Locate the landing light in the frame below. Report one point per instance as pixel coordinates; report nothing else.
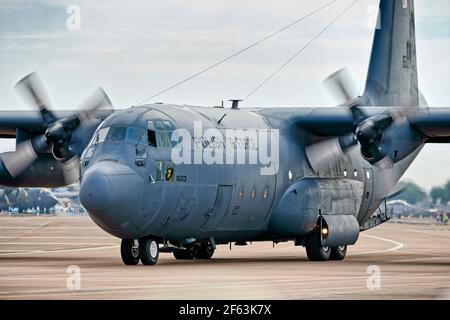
(324, 231)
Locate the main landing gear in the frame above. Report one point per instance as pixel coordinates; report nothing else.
(204, 251)
(316, 252)
(146, 250)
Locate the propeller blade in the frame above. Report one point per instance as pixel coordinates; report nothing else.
(33, 91)
(18, 161)
(342, 87)
(58, 132)
(95, 101)
(26, 153)
(328, 151)
(71, 170)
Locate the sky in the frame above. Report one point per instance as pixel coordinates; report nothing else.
(137, 49)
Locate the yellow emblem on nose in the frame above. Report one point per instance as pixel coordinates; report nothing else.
(169, 174)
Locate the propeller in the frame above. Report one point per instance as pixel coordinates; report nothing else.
(58, 131)
(342, 87)
(367, 131)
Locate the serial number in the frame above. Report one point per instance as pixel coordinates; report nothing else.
(232, 309)
(246, 309)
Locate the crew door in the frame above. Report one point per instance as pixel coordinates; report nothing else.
(215, 214)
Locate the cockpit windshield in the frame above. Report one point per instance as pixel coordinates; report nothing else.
(120, 134)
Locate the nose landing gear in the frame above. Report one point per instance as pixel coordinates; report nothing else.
(149, 251)
(129, 250)
(146, 250)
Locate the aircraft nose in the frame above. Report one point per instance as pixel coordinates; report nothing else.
(112, 193)
(96, 193)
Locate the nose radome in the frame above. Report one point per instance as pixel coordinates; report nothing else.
(112, 193)
(95, 191)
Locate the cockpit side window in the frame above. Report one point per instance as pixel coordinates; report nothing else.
(100, 136)
(159, 133)
(151, 134)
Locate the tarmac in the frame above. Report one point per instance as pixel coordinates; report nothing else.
(72, 258)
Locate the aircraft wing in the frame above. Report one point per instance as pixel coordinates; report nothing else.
(433, 123)
(29, 121)
(25, 120)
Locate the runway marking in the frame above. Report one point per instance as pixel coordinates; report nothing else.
(397, 246)
(55, 243)
(75, 237)
(63, 250)
(430, 233)
(35, 227)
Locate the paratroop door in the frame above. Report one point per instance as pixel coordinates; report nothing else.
(215, 215)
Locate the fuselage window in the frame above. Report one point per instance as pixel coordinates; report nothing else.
(253, 193)
(266, 193)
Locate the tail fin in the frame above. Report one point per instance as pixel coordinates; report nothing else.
(392, 77)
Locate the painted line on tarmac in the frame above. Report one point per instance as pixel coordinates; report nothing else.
(75, 237)
(56, 243)
(62, 250)
(45, 227)
(397, 246)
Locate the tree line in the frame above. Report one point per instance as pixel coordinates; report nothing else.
(413, 193)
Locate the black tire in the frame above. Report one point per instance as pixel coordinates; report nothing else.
(183, 254)
(314, 249)
(148, 251)
(338, 253)
(129, 252)
(205, 251)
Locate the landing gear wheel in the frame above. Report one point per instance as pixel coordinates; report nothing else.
(205, 251)
(338, 253)
(315, 250)
(148, 251)
(183, 255)
(129, 251)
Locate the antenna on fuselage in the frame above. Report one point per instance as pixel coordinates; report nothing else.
(235, 103)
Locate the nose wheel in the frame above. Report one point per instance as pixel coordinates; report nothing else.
(145, 250)
(148, 251)
(129, 250)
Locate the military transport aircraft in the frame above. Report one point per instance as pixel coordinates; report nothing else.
(336, 166)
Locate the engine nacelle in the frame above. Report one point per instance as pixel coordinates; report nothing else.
(45, 172)
(310, 201)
